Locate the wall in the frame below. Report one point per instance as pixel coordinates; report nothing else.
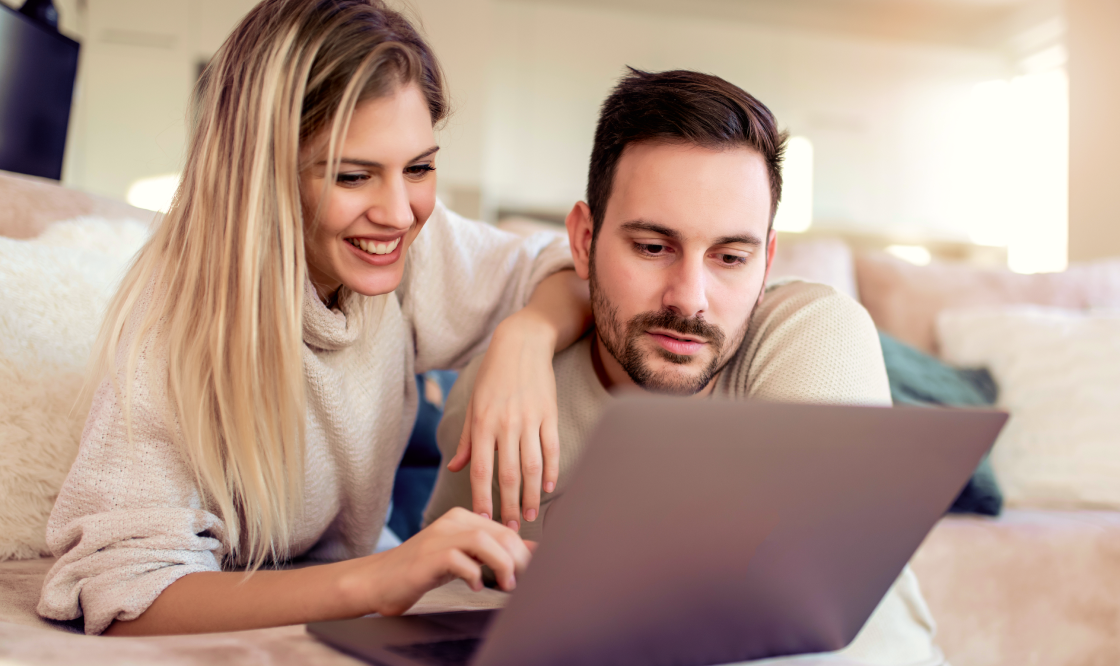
(1094, 171)
(884, 117)
(892, 123)
(139, 62)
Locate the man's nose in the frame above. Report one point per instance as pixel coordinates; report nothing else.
(687, 294)
(392, 208)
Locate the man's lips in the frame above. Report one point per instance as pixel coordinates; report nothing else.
(677, 344)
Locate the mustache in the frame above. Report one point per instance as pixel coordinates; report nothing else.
(671, 321)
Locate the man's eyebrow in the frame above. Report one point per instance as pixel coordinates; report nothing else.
(377, 165)
(745, 239)
(640, 225)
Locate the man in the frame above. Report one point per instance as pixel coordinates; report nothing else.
(676, 239)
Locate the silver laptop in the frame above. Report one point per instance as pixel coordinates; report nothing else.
(709, 532)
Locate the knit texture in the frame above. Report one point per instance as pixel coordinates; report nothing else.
(806, 343)
(130, 519)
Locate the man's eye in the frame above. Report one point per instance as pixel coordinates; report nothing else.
(732, 259)
(651, 248)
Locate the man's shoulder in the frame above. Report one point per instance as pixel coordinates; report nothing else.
(806, 336)
(803, 301)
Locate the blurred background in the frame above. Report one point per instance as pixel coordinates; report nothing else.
(981, 130)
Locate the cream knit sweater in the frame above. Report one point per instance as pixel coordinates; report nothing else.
(130, 519)
(806, 343)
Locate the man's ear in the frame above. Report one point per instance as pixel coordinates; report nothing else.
(580, 230)
(771, 247)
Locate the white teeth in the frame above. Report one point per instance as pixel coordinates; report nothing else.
(373, 247)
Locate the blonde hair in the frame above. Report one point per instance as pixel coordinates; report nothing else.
(225, 270)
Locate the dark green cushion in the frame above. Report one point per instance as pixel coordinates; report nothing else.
(917, 378)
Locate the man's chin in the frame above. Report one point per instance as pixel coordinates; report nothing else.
(671, 378)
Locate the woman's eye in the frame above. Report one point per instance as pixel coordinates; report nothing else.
(419, 170)
(351, 178)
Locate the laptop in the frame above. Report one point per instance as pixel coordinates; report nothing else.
(710, 532)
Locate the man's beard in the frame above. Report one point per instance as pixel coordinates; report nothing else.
(624, 344)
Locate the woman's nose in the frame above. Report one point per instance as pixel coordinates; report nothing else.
(393, 208)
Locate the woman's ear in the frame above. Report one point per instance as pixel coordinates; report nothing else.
(580, 230)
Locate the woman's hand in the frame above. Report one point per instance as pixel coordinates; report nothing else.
(454, 546)
(513, 407)
(513, 411)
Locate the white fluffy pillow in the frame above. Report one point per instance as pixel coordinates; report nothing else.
(1059, 376)
(53, 292)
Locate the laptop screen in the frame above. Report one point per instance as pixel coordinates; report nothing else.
(37, 71)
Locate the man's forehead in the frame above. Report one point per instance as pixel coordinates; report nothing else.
(691, 191)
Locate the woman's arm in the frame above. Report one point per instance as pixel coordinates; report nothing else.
(468, 284)
(389, 583)
(513, 408)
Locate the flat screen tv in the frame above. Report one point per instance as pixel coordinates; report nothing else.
(37, 71)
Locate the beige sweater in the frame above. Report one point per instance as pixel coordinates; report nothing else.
(130, 519)
(806, 343)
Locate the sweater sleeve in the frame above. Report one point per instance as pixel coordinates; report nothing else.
(463, 278)
(809, 343)
(128, 520)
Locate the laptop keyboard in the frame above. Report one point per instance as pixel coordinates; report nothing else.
(455, 652)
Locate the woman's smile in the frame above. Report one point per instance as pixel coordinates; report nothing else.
(376, 253)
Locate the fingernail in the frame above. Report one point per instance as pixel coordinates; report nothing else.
(511, 583)
(531, 515)
(549, 487)
(485, 515)
(512, 525)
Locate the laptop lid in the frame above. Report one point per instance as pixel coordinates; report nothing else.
(708, 532)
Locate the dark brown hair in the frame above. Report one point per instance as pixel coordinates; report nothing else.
(680, 106)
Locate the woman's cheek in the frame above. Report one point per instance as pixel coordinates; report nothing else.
(422, 198)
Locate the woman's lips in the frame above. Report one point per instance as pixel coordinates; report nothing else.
(676, 345)
(374, 259)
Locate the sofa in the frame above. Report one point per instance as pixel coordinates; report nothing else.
(1039, 584)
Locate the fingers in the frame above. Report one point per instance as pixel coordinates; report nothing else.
(482, 464)
(550, 450)
(461, 565)
(489, 543)
(485, 548)
(509, 478)
(530, 474)
(463, 452)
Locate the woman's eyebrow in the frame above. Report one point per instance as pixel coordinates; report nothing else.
(377, 165)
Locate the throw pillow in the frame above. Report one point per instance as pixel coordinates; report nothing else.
(1059, 377)
(53, 292)
(904, 299)
(824, 260)
(917, 378)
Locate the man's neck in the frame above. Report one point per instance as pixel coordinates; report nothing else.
(614, 377)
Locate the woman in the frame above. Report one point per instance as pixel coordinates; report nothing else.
(253, 389)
